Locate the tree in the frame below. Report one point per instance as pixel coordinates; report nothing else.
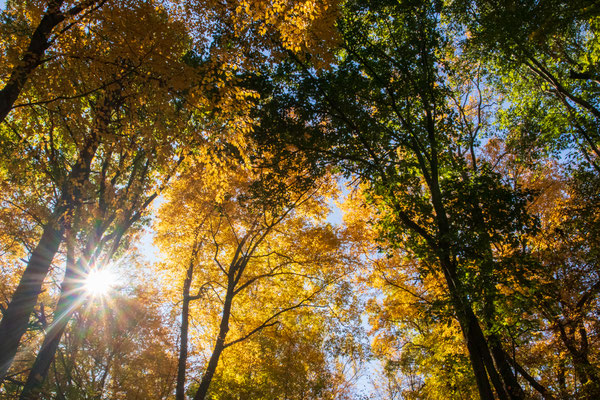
(118, 345)
(291, 360)
(158, 60)
(254, 255)
(46, 26)
(81, 136)
(390, 114)
(467, 135)
(544, 55)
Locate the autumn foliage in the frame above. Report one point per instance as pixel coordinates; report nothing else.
(299, 199)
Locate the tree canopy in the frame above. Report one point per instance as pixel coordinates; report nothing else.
(299, 199)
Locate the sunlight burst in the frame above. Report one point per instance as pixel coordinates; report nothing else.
(100, 281)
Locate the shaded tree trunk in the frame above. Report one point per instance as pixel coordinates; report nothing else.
(183, 346)
(67, 304)
(477, 364)
(470, 326)
(512, 386)
(487, 268)
(476, 345)
(219, 344)
(16, 317)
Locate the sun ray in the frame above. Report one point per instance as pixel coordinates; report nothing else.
(100, 281)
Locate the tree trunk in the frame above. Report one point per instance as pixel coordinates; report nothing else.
(470, 328)
(484, 350)
(479, 352)
(487, 268)
(219, 345)
(183, 346)
(478, 366)
(16, 317)
(67, 304)
(512, 386)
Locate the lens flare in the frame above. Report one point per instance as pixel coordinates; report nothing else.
(100, 281)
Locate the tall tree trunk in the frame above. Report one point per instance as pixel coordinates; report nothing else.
(479, 352)
(183, 346)
(16, 317)
(219, 344)
(487, 268)
(476, 344)
(470, 326)
(67, 304)
(512, 386)
(479, 338)
(472, 334)
(478, 366)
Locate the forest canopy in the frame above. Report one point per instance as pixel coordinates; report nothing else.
(299, 199)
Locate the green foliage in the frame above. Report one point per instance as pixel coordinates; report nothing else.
(467, 134)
